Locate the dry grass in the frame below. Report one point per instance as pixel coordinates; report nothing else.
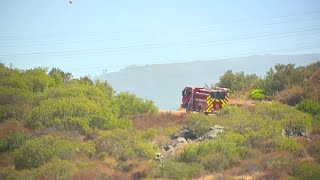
(59, 133)
(98, 171)
(10, 126)
(311, 148)
(138, 169)
(241, 102)
(312, 86)
(5, 160)
(291, 96)
(107, 169)
(161, 120)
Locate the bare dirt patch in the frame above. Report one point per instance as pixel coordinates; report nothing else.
(162, 120)
(10, 126)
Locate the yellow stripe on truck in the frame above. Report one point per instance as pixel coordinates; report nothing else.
(209, 109)
(209, 104)
(223, 102)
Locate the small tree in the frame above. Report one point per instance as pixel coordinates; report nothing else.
(257, 94)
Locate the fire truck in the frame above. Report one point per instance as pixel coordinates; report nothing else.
(204, 99)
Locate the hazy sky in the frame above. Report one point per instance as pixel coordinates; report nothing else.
(88, 36)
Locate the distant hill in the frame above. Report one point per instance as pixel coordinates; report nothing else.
(163, 83)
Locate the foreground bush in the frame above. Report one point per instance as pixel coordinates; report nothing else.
(13, 141)
(200, 124)
(288, 144)
(227, 146)
(42, 149)
(307, 170)
(129, 104)
(309, 106)
(294, 122)
(79, 114)
(176, 170)
(126, 145)
(55, 169)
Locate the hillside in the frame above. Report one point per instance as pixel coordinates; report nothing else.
(163, 82)
(54, 126)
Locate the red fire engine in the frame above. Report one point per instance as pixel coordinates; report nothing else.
(204, 99)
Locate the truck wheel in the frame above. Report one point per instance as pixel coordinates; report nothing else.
(186, 107)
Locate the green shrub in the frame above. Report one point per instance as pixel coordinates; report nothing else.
(248, 153)
(218, 162)
(12, 174)
(126, 145)
(109, 122)
(228, 144)
(257, 94)
(80, 114)
(13, 78)
(254, 128)
(260, 131)
(242, 123)
(236, 81)
(316, 120)
(74, 124)
(149, 134)
(38, 79)
(170, 131)
(281, 77)
(176, 170)
(307, 170)
(3, 145)
(55, 169)
(129, 104)
(13, 141)
(200, 124)
(78, 90)
(309, 106)
(287, 144)
(42, 149)
(291, 119)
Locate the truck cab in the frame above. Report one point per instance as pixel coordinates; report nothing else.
(204, 99)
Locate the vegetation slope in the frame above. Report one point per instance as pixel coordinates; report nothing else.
(59, 127)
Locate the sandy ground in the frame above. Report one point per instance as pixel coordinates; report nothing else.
(10, 126)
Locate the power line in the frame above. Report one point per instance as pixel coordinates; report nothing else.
(157, 45)
(217, 24)
(209, 58)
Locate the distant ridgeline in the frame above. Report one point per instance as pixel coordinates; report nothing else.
(163, 82)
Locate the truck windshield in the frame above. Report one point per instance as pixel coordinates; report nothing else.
(188, 92)
(213, 95)
(183, 92)
(220, 95)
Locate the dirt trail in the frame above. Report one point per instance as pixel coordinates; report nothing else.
(10, 126)
(172, 112)
(233, 101)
